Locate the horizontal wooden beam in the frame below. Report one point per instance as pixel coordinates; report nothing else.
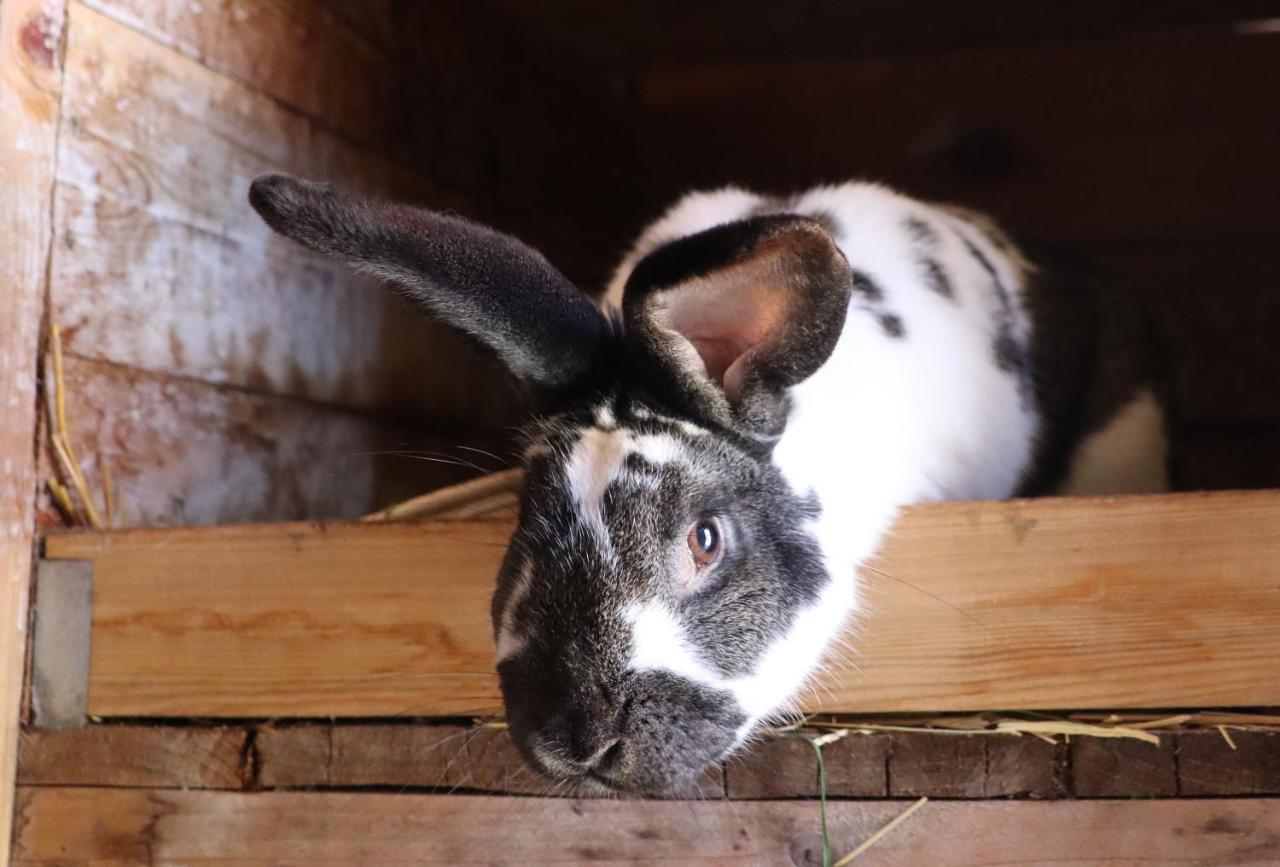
(97, 825)
(1162, 601)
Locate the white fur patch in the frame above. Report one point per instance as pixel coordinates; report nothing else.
(783, 669)
(659, 643)
(1129, 455)
(598, 458)
(510, 640)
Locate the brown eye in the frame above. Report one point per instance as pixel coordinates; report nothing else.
(705, 542)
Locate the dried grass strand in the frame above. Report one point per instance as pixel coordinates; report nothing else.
(473, 498)
(879, 835)
(62, 500)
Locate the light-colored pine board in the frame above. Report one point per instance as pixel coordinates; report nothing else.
(297, 51)
(160, 263)
(61, 825)
(30, 85)
(185, 452)
(135, 756)
(1162, 601)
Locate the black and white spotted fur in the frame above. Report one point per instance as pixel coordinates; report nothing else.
(795, 369)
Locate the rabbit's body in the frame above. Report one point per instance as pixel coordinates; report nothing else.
(713, 463)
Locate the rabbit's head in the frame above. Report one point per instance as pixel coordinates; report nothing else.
(664, 590)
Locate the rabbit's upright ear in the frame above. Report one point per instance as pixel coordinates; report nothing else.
(736, 315)
(489, 285)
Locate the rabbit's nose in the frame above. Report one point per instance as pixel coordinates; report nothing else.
(577, 756)
(598, 759)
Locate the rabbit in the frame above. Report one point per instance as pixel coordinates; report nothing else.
(720, 444)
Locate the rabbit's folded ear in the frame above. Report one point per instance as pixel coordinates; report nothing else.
(737, 314)
(489, 285)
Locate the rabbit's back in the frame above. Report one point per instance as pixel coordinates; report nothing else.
(969, 368)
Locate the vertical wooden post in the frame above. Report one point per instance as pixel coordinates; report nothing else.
(31, 40)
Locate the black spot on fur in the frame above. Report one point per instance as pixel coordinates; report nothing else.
(936, 279)
(867, 288)
(1010, 355)
(1093, 349)
(892, 325)
(920, 231)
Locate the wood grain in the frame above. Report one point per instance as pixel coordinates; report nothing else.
(135, 756)
(30, 84)
(297, 51)
(184, 452)
(160, 264)
(1164, 601)
(67, 825)
(1110, 768)
(1209, 764)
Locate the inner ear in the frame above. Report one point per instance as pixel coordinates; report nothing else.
(728, 316)
(736, 314)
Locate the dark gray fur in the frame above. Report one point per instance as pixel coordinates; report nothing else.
(569, 694)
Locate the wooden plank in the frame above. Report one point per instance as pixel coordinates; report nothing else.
(184, 452)
(1210, 764)
(297, 51)
(30, 85)
(1024, 767)
(1161, 601)
(776, 768)
(161, 264)
(135, 756)
(1109, 768)
(418, 756)
(1092, 141)
(946, 766)
(163, 295)
(67, 825)
(428, 755)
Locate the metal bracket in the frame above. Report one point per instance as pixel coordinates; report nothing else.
(60, 651)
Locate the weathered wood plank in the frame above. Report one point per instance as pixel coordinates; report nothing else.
(162, 295)
(1110, 768)
(184, 452)
(298, 51)
(62, 825)
(30, 84)
(1085, 141)
(160, 263)
(135, 756)
(1210, 764)
(1113, 602)
(947, 766)
(418, 756)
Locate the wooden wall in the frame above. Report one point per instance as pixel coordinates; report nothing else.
(1143, 137)
(222, 373)
(226, 375)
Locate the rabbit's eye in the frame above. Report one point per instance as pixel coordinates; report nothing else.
(706, 542)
